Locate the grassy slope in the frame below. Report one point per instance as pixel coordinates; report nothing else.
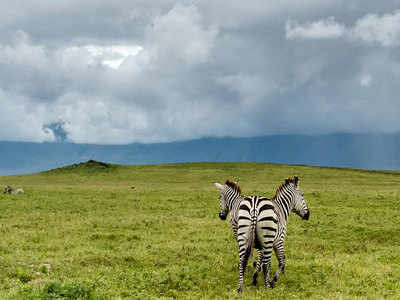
(164, 239)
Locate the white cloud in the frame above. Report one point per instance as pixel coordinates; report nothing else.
(26, 119)
(150, 71)
(366, 80)
(322, 29)
(180, 35)
(373, 29)
(252, 90)
(99, 119)
(112, 56)
(24, 52)
(383, 30)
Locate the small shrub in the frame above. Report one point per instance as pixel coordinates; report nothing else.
(57, 290)
(45, 269)
(22, 276)
(75, 290)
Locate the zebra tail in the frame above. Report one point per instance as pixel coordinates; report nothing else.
(250, 240)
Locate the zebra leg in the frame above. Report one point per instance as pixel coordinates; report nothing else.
(244, 254)
(234, 229)
(242, 269)
(235, 232)
(257, 266)
(280, 255)
(266, 264)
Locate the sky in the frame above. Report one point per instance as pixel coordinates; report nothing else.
(123, 71)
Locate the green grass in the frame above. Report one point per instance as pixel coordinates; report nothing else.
(81, 233)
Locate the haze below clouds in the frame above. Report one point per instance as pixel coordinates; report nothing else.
(117, 72)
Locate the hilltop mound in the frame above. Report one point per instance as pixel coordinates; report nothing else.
(94, 164)
(88, 166)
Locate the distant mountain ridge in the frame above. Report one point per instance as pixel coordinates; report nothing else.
(365, 151)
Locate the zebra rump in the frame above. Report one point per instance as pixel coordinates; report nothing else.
(257, 227)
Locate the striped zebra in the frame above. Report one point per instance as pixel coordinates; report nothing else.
(9, 190)
(254, 224)
(288, 198)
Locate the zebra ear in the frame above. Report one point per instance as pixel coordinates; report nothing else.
(219, 186)
(296, 180)
(287, 180)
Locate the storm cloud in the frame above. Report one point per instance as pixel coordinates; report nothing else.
(153, 71)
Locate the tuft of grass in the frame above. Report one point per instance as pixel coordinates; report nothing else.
(21, 275)
(57, 290)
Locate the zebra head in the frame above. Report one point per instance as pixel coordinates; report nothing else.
(299, 204)
(227, 194)
(7, 189)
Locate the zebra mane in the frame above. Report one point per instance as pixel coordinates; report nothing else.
(294, 180)
(234, 186)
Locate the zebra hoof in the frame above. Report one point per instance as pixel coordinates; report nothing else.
(255, 275)
(239, 290)
(275, 278)
(254, 264)
(270, 285)
(254, 282)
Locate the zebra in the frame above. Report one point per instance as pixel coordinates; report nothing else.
(263, 220)
(288, 198)
(9, 190)
(254, 224)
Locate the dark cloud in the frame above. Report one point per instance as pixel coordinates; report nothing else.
(58, 131)
(199, 69)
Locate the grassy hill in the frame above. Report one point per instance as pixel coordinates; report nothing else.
(81, 232)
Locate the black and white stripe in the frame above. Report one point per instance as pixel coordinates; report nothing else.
(257, 227)
(260, 223)
(230, 198)
(287, 198)
(254, 223)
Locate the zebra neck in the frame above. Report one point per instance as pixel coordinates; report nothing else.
(284, 207)
(234, 202)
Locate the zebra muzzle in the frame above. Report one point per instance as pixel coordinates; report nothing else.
(306, 216)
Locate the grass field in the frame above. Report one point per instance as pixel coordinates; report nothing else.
(81, 233)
